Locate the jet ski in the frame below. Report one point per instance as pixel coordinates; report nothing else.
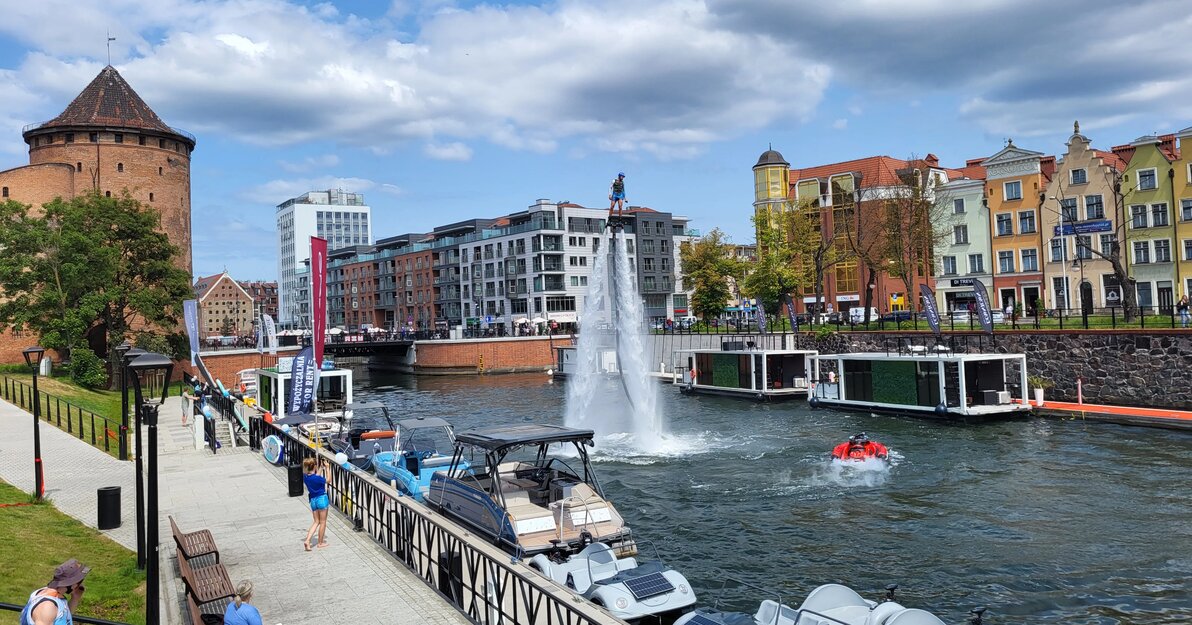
(859, 448)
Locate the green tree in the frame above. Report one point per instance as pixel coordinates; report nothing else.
(88, 268)
(707, 265)
(794, 253)
(908, 221)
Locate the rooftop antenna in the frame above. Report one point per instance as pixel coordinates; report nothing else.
(109, 44)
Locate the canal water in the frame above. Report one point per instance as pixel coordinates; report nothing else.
(1041, 521)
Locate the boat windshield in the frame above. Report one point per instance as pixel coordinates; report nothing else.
(433, 439)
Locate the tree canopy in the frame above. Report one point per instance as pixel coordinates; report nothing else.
(792, 254)
(88, 265)
(707, 265)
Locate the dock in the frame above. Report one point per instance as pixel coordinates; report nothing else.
(1123, 415)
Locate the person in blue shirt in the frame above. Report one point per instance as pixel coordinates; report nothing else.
(53, 604)
(616, 196)
(239, 612)
(316, 490)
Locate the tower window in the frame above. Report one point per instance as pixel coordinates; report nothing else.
(78, 167)
(5, 193)
(107, 194)
(150, 197)
(94, 137)
(141, 140)
(158, 171)
(161, 143)
(120, 167)
(48, 139)
(119, 136)
(70, 137)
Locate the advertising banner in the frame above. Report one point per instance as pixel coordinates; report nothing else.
(790, 311)
(983, 311)
(318, 295)
(270, 334)
(190, 311)
(1088, 227)
(929, 308)
(304, 377)
(761, 317)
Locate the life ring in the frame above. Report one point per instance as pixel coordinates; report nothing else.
(272, 449)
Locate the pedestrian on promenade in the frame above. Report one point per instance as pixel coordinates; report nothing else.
(1182, 308)
(53, 604)
(316, 490)
(239, 612)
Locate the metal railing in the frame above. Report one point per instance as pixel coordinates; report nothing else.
(87, 620)
(100, 431)
(488, 587)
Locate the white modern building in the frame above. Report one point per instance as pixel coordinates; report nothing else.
(338, 216)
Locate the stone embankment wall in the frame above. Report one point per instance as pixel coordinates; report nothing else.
(1150, 368)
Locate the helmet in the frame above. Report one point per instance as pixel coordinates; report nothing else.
(861, 438)
(620, 174)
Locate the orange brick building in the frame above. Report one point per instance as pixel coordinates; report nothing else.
(107, 140)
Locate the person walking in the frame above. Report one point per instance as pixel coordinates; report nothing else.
(1182, 308)
(53, 604)
(239, 612)
(616, 196)
(316, 490)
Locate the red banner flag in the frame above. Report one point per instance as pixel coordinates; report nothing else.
(318, 295)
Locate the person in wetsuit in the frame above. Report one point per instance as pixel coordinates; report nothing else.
(616, 196)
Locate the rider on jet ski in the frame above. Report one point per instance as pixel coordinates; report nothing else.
(859, 447)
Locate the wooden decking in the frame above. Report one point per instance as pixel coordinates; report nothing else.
(1127, 415)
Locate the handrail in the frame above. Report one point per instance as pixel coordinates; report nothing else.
(87, 620)
(20, 394)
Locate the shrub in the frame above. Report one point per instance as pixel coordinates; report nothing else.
(1038, 381)
(87, 369)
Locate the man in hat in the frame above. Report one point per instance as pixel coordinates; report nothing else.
(53, 604)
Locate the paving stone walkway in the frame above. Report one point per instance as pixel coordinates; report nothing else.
(257, 526)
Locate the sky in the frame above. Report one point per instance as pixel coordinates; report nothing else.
(445, 110)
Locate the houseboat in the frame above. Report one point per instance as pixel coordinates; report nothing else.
(924, 381)
(762, 374)
(567, 362)
(334, 392)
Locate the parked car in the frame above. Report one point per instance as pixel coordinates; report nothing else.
(897, 316)
(857, 315)
(687, 322)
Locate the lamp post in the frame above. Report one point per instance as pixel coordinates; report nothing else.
(129, 355)
(1063, 255)
(150, 370)
(33, 359)
(121, 350)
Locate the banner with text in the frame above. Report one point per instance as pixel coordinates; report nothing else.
(790, 311)
(270, 334)
(984, 313)
(761, 317)
(190, 311)
(318, 295)
(304, 377)
(933, 313)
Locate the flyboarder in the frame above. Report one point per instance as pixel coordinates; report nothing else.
(616, 197)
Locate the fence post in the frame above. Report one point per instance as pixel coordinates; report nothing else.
(1142, 316)
(1113, 317)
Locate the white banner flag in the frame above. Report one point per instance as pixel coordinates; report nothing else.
(270, 333)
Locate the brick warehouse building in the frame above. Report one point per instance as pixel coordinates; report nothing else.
(108, 140)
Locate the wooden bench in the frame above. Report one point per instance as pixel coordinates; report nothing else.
(193, 544)
(208, 583)
(212, 616)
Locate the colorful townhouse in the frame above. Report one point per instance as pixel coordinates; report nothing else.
(1148, 195)
(1080, 221)
(1016, 180)
(964, 250)
(1183, 194)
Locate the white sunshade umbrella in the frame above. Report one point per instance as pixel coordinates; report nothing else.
(521, 320)
(335, 331)
(539, 320)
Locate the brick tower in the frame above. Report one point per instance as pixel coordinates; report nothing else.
(109, 140)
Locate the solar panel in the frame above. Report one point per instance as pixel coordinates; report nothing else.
(700, 619)
(648, 586)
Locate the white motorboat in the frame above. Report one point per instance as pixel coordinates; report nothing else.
(628, 589)
(830, 604)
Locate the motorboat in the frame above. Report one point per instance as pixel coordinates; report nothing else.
(830, 604)
(421, 443)
(360, 437)
(629, 589)
(526, 498)
(858, 448)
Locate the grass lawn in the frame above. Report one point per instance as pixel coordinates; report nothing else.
(34, 539)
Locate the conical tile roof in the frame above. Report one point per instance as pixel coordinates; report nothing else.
(109, 101)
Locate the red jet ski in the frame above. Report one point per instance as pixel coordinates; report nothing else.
(859, 448)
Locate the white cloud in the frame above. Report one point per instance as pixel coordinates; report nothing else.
(279, 190)
(454, 151)
(310, 163)
(840, 124)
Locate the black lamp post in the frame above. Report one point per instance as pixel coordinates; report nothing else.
(118, 366)
(129, 354)
(33, 359)
(149, 372)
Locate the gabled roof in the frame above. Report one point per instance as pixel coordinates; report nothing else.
(876, 171)
(1011, 153)
(1111, 159)
(205, 286)
(109, 101)
(1165, 144)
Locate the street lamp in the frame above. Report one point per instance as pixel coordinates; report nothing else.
(127, 356)
(33, 359)
(121, 350)
(151, 371)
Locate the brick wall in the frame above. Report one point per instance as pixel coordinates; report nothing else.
(507, 355)
(38, 184)
(224, 366)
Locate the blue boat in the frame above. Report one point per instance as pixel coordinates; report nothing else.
(417, 456)
(362, 436)
(525, 498)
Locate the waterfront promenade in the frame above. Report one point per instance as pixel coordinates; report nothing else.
(257, 527)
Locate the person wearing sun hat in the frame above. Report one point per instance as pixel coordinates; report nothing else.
(53, 604)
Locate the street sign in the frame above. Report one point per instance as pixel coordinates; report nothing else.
(488, 319)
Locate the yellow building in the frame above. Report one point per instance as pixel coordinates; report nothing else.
(1016, 180)
(1183, 198)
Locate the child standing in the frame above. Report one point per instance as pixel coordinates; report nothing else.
(316, 490)
(616, 195)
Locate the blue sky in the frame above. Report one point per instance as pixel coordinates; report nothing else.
(440, 111)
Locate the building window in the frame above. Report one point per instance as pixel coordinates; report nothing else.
(93, 137)
(1013, 190)
(1005, 262)
(107, 194)
(118, 137)
(1026, 222)
(1030, 260)
(5, 192)
(1162, 251)
(159, 171)
(960, 235)
(1159, 215)
(1079, 176)
(1068, 210)
(976, 263)
(1060, 287)
(1094, 208)
(1142, 253)
(1186, 210)
(141, 140)
(958, 206)
(78, 167)
(1107, 243)
(70, 137)
(1084, 246)
(1147, 179)
(949, 265)
(161, 143)
(1187, 249)
(1058, 250)
(1005, 225)
(1138, 216)
(120, 167)
(150, 197)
